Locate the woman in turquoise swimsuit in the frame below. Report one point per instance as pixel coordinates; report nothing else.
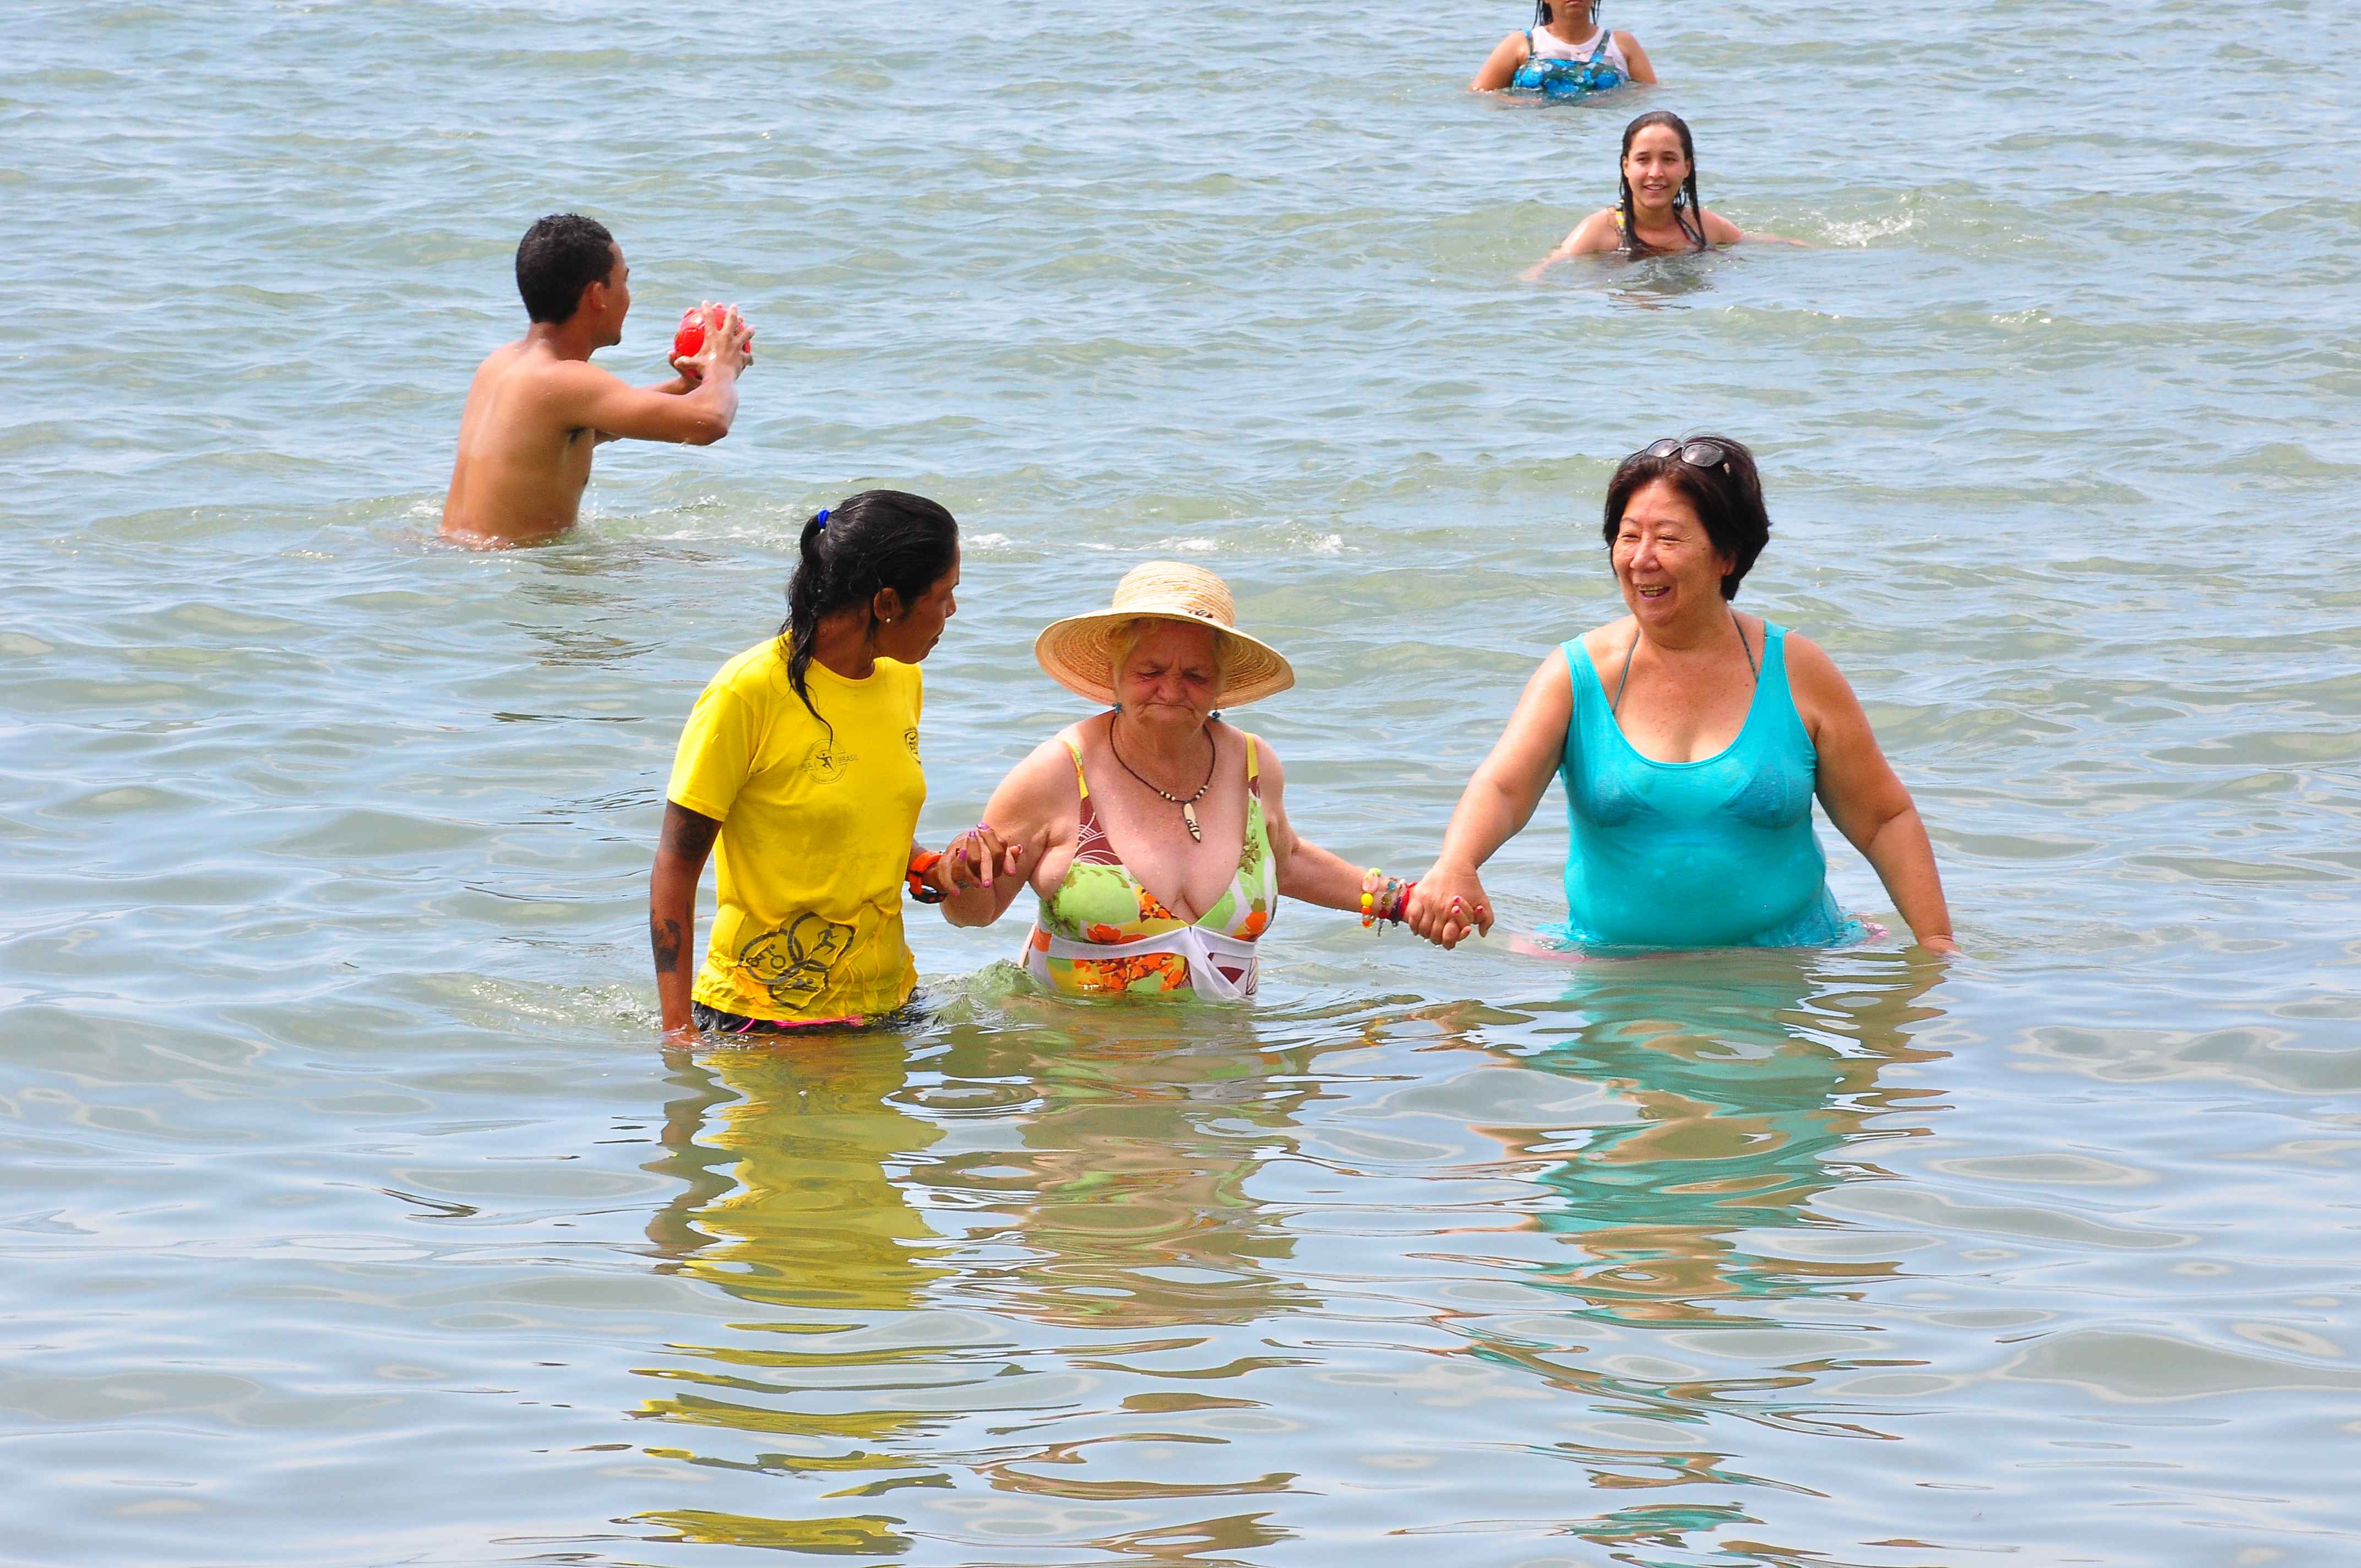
(1692, 740)
(1155, 835)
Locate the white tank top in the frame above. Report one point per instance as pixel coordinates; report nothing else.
(1547, 45)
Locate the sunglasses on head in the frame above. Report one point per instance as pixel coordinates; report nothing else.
(1696, 453)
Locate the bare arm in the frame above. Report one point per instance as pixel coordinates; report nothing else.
(698, 415)
(1497, 802)
(682, 846)
(1644, 70)
(1592, 237)
(1861, 795)
(1500, 66)
(1306, 871)
(590, 398)
(1036, 809)
(675, 387)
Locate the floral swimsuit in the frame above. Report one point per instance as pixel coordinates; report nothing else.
(1102, 931)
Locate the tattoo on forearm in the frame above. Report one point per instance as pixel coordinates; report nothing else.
(688, 834)
(665, 935)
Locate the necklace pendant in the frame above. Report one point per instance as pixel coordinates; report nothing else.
(1189, 816)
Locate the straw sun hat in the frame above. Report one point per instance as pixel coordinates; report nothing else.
(1079, 652)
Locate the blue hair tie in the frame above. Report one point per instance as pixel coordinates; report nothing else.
(822, 519)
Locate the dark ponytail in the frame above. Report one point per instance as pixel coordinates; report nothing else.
(1688, 210)
(852, 552)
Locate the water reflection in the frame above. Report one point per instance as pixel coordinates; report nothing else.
(1030, 1274)
(1083, 1171)
(792, 1203)
(793, 1193)
(1751, 1084)
(1754, 1081)
(1125, 1196)
(1659, 282)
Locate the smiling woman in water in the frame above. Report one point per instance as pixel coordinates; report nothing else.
(1692, 740)
(1656, 208)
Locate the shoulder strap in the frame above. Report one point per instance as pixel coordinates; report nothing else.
(1747, 648)
(1079, 781)
(1254, 768)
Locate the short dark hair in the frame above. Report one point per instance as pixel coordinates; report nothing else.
(559, 256)
(1727, 498)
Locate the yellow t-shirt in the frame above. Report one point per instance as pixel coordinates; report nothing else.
(815, 835)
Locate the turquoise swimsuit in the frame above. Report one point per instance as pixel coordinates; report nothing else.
(1719, 853)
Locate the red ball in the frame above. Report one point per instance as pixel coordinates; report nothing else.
(691, 335)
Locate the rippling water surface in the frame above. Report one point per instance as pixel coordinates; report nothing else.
(351, 1214)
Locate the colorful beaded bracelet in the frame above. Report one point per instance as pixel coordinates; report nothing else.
(1395, 901)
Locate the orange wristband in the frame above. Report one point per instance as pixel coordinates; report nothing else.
(920, 865)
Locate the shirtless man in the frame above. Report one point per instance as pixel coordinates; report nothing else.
(538, 406)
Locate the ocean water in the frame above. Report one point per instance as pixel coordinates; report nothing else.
(349, 1211)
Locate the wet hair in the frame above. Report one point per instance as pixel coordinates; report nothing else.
(1727, 498)
(1687, 210)
(854, 551)
(559, 256)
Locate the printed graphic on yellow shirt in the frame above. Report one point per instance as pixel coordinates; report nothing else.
(828, 761)
(793, 962)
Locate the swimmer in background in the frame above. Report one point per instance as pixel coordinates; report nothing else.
(538, 406)
(1568, 30)
(1658, 210)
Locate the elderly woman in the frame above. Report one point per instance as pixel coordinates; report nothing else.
(1692, 740)
(1155, 835)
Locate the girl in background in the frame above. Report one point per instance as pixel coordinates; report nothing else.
(1565, 54)
(1657, 209)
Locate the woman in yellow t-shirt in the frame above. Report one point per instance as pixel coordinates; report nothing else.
(801, 759)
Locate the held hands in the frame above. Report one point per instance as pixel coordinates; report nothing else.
(726, 340)
(970, 859)
(1449, 904)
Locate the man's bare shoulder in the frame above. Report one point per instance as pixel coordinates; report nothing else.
(522, 386)
(497, 366)
(526, 364)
